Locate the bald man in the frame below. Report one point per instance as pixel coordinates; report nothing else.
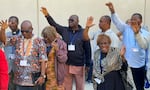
(29, 63)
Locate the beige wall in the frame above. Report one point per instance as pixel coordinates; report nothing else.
(62, 9)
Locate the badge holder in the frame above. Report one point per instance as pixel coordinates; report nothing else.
(23, 62)
(71, 47)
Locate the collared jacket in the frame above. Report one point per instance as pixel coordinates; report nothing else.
(56, 63)
(82, 53)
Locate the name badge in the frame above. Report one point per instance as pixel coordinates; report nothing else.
(23, 63)
(97, 80)
(71, 47)
(11, 56)
(135, 49)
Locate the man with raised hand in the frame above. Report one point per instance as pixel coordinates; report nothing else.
(136, 41)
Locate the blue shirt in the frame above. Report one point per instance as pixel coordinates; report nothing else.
(135, 54)
(9, 49)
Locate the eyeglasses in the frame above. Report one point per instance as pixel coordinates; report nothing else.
(26, 31)
(70, 20)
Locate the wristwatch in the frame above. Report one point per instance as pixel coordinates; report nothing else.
(44, 76)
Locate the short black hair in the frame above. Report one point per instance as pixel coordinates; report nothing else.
(108, 19)
(138, 14)
(14, 17)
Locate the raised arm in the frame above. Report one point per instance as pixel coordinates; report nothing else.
(51, 20)
(111, 7)
(116, 20)
(89, 24)
(4, 26)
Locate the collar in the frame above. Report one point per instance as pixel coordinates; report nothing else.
(107, 31)
(16, 32)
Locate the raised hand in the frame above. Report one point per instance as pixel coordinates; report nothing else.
(3, 25)
(135, 26)
(55, 45)
(111, 7)
(44, 11)
(89, 22)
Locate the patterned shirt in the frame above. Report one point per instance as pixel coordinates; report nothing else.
(29, 53)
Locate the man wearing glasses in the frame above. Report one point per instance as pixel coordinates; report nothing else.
(29, 61)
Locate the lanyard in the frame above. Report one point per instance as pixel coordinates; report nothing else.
(101, 68)
(72, 37)
(102, 56)
(26, 50)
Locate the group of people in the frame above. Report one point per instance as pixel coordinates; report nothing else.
(26, 55)
(50, 63)
(135, 43)
(64, 53)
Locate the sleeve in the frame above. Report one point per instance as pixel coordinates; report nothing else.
(3, 72)
(87, 50)
(42, 51)
(118, 23)
(148, 62)
(143, 41)
(61, 54)
(96, 66)
(58, 27)
(91, 34)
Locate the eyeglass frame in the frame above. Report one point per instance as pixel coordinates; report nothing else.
(26, 31)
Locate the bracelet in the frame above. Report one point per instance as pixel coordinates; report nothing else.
(43, 76)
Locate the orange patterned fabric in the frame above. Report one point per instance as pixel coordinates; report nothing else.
(51, 83)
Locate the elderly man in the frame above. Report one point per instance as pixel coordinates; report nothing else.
(30, 57)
